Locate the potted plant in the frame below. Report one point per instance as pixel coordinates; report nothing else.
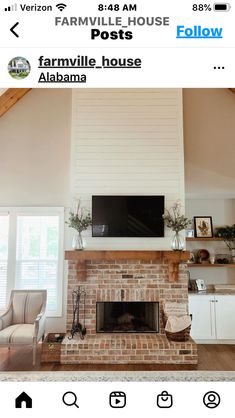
(175, 221)
(227, 233)
(80, 220)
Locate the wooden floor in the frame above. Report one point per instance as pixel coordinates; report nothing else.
(211, 358)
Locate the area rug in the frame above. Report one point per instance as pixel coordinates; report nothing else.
(110, 376)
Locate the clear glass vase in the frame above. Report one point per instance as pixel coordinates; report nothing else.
(233, 255)
(78, 243)
(177, 243)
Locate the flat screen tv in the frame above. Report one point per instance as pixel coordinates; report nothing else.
(127, 216)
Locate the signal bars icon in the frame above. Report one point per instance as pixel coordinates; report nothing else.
(61, 6)
(12, 8)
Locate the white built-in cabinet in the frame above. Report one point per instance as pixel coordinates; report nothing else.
(213, 317)
(225, 316)
(201, 309)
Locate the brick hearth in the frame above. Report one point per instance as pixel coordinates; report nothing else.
(127, 280)
(127, 349)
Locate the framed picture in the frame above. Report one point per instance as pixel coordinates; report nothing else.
(200, 285)
(203, 227)
(189, 233)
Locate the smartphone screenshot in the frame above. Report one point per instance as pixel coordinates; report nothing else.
(117, 208)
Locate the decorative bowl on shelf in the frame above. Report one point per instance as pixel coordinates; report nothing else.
(203, 256)
(223, 259)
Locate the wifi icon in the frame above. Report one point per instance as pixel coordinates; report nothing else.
(61, 6)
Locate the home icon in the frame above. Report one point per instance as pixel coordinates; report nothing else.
(23, 400)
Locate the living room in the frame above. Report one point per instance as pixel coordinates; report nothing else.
(62, 146)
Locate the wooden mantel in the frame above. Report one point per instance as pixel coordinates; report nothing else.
(173, 258)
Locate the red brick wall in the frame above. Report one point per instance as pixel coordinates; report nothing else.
(139, 281)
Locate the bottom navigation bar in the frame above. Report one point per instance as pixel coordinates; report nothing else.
(132, 398)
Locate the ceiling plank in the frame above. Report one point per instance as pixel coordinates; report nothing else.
(9, 98)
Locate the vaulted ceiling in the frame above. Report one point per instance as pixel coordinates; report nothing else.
(9, 97)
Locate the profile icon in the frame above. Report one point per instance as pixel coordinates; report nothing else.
(211, 400)
(19, 68)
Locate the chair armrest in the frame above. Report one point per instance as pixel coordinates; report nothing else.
(6, 318)
(39, 325)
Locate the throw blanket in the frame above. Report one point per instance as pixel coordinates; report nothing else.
(174, 308)
(177, 323)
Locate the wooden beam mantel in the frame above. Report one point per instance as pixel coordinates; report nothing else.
(9, 98)
(173, 258)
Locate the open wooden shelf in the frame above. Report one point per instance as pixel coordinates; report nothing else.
(203, 239)
(229, 265)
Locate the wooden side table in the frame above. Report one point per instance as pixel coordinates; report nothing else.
(51, 348)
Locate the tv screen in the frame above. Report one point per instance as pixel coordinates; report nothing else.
(127, 216)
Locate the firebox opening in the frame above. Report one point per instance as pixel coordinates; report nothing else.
(127, 317)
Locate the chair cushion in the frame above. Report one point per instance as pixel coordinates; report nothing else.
(18, 304)
(33, 307)
(17, 334)
(26, 307)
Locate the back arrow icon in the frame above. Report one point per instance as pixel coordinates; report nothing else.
(12, 29)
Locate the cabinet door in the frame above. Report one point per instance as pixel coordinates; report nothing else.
(202, 308)
(225, 317)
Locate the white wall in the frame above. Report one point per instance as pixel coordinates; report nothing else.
(35, 157)
(209, 127)
(35, 150)
(222, 212)
(217, 209)
(127, 141)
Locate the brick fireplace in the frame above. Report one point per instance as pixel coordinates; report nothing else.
(146, 278)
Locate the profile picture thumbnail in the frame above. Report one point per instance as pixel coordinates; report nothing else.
(19, 68)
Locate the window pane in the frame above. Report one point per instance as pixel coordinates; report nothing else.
(4, 228)
(37, 255)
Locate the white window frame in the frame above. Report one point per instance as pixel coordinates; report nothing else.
(13, 212)
(5, 212)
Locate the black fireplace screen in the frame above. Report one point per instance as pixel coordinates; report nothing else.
(127, 317)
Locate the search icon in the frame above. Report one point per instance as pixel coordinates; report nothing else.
(70, 399)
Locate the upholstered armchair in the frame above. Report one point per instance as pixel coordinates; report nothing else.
(23, 323)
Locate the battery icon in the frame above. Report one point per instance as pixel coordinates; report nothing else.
(222, 7)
